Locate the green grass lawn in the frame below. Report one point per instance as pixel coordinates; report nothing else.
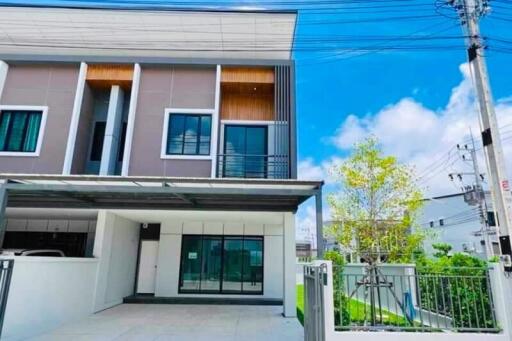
(300, 303)
(356, 310)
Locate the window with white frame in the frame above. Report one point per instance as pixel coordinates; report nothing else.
(20, 130)
(188, 134)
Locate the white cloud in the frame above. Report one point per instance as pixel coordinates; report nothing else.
(308, 170)
(418, 136)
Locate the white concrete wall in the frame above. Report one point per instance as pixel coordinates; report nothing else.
(175, 224)
(116, 246)
(46, 292)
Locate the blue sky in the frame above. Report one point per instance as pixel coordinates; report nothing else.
(419, 103)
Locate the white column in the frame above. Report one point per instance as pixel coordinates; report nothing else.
(4, 68)
(215, 123)
(131, 120)
(75, 118)
(112, 131)
(328, 306)
(289, 266)
(501, 287)
(3, 207)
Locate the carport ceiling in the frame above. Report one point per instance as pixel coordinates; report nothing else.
(41, 191)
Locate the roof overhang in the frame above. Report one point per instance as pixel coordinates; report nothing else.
(116, 192)
(181, 34)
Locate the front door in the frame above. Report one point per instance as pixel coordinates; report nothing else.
(147, 267)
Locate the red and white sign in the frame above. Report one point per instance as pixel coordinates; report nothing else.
(505, 186)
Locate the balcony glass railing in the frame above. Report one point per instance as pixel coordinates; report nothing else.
(252, 166)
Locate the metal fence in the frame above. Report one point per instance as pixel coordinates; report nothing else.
(457, 300)
(253, 166)
(6, 267)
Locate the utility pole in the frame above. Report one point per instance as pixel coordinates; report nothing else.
(470, 12)
(475, 195)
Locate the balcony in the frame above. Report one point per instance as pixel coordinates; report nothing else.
(251, 166)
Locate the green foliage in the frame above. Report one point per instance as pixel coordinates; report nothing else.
(341, 312)
(456, 286)
(376, 209)
(442, 249)
(336, 258)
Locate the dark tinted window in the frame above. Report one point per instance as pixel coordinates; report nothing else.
(97, 141)
(19, 130)
(122, 142)
(189, 134)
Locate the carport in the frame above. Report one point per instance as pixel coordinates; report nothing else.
(182, 322)
(124, 204)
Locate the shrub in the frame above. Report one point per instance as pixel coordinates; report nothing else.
(341, 309)
(456, 286)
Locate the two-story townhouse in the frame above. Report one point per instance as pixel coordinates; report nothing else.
(161, 144)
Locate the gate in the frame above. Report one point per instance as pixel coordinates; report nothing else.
(315, 278)
(6, 266)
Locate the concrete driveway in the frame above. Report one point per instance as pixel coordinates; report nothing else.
(182, 322)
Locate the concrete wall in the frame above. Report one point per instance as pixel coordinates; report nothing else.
(269, 225)
(46, 292)
(116, 245)
(168, 87)
(42, 85)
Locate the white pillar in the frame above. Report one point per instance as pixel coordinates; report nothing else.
(215, 124)
(131, 120)
(289, 266)
(112, 131)
(75, 118)
(4, 68)
(328, 307)
(501, 286)
(3, 207)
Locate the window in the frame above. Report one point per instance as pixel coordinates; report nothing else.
(19, 130)
(97, 141)
(221, 264)
(122, 142)
(188, 134)
(491, 218)
(245, 151)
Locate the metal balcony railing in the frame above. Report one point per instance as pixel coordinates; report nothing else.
(252, 166)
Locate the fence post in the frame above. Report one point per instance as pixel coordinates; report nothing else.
(501, 287)
(328, 308)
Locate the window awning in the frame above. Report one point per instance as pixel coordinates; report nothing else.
(116, 192)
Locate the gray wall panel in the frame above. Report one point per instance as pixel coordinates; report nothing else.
(161, 88)
(42, 85)
(80, 154)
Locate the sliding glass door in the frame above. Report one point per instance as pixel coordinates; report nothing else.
(221, 264)
(245, 151)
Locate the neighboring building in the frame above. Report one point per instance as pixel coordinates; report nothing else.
(164, 151)
(304, 250)
(451, 219)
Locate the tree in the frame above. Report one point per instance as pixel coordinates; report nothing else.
(376, 210)
(442, 249)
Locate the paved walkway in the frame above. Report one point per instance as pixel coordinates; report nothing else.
(183, 323)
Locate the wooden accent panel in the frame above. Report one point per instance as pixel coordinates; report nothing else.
(247, 75)
(247, 102)
(105, 75)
